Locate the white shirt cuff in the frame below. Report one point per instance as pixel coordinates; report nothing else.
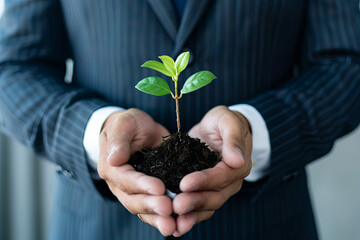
(92, 132)
(261, 150)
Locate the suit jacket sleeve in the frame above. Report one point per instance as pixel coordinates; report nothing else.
(36, 106)
(322, 103)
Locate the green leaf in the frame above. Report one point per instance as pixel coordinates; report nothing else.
(157, 66)
(154, 85)
(197, 80)
(181, 62)
(169, 64)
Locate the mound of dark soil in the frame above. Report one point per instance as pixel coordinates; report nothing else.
(177, 156)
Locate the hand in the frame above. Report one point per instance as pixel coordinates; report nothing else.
(227, 133)
(123, 134)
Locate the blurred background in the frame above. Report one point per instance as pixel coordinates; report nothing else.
(26, 190)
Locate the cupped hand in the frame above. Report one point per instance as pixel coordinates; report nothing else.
(203, 192)
(123, 134)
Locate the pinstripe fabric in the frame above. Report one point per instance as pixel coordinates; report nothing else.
(252, 47)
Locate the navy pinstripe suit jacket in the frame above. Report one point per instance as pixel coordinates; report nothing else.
(296, 61)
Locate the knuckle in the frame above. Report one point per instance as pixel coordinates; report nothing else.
(220, 187)
(205, 216)
(108, 122)
(128, 206)
(219, 108)
(224, 178)
(209, 215)
(145, 208)
(237, 188)
(131, 210)
(125, 188)
(220, 200)
(124, 182)
(133, 114)
(247, 169)
(114, 191)
(126, 121)
(226, 122)
(200, 202)
(136, 205)
(101, 171)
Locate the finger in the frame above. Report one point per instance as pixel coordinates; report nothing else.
(165, 224)
(159, 132)
(149, 136)
(162, 131)
(132, 182)
(184, 223)
(184, 203)
(145, 204)
(103, 154)
(194, 131)
(119, 139)
(211, 179)
(131, 131)
(234, 135)
(147, 133)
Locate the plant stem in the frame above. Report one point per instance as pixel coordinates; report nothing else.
(177, 105)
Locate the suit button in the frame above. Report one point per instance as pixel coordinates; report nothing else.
(68, 174)
(287, 177)
(58, 169)
(191, 58)
(296, 172)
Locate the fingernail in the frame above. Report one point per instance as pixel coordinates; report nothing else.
(112, 152)
(239, 153)
(176, 234)
(188, 209)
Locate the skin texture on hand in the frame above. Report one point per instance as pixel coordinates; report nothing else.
(203, 192)
(123, 134)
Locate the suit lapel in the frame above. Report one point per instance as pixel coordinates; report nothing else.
(194, 9)
(166, 13)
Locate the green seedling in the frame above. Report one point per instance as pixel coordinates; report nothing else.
(159, 87)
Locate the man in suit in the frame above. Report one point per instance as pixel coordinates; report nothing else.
(288, 70)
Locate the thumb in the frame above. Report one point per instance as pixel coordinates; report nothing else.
(232, 153)
(160, 131)
(234, 144)
(119, 144)
(119, 154)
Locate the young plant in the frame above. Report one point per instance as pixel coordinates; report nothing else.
(159, 87)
